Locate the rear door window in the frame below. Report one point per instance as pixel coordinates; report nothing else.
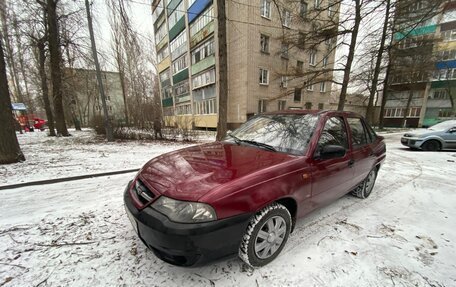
(358, 132)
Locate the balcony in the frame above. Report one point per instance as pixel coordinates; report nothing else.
(179, 77)
(203, 64)
(196, 9)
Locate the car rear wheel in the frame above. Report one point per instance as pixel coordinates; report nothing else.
(364, 189)
(266, 235)
(431, 145)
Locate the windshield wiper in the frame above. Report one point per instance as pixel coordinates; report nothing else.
(259, 144)
(263, 145)
(236, 139)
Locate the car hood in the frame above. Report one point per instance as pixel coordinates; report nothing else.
(422, 133)
(190, 173)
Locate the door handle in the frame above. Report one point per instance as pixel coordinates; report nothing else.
(351, 163)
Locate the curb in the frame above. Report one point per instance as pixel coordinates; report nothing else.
(63, 179)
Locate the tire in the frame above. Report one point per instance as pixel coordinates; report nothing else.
(431, 145)
(266, 235)
(364, 189)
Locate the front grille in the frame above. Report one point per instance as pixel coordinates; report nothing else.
(143, 193)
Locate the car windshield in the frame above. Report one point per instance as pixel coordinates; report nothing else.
(288, 133)
(443, 126)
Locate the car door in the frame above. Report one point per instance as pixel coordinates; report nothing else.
(331, 178)
(362, 152)
(450, 138)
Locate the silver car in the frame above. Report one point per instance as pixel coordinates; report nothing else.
(438, 137)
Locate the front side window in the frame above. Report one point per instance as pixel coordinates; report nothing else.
(289, 133)
(358, 133)
(265, 8)
(334, 133)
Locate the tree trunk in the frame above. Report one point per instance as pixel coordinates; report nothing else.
(56, 61)
(9, 53)
(407, 109)
(223, 72)
(350, 56)
(44, 86)
(10, 152)
(373, 92)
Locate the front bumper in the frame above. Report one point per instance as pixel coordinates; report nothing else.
(186, 244)
(411, 142)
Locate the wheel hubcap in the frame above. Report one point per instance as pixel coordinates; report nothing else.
(270, 237)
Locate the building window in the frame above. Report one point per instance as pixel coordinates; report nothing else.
(284, 50)
(286, 18)
(203, 79)
(266, 8)
(284, 82)
(181, 88)
(179, 45)
(205, 18)
(183, 109)
(317, 4)
(203, 51)
(414, 112)
(308, 105)
(323, 87)
(164, 76)
(190, 3)
(206, 107)
(325, 62)
(312, 58)
(297, 95)
(264, 43)
(264, 76)
(303, 9)
(261, 106)
(309, 87)
(176, 15)
(281, 105)
(440, 94)
(162, 54)
(160, 33)
(449, 35)
(445, 113)
(331, 9)
(321, 106)
(180, 64)
(299, 65)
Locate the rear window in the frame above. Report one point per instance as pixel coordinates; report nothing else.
(358, 132)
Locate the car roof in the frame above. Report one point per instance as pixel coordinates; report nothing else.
(313, 112)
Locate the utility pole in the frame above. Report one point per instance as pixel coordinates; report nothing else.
(222, 71)
(107, 123)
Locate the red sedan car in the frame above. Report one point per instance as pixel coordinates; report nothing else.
(244, 194)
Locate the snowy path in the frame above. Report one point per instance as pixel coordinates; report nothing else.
(77, 234)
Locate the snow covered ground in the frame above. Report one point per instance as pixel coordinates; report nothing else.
(83, 153)
(76, 233)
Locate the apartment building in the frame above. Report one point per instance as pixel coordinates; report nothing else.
(269, 67)
(432, 85)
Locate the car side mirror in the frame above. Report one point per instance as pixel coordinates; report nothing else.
(331, 151)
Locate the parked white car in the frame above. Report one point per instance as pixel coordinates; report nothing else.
(437, 137)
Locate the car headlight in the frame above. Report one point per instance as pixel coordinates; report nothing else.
(184, 211)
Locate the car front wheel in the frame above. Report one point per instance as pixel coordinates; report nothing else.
(431, 145)
(266, 235)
